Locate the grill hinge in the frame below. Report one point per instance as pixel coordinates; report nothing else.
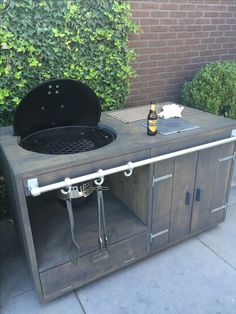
(158, 179)
(158, 234)
(219, 208)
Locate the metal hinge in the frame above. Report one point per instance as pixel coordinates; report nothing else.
(219, 208)
(227, 158)
(158, 234)
(158, 179)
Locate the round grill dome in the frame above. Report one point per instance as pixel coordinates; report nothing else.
(60, 117)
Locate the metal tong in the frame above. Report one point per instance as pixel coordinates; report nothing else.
(102, 230)
(75, 249)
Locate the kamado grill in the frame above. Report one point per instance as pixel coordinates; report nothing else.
(60, 117)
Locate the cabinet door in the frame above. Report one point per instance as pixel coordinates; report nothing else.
(212, 179)
(172, 199)
(182, 198)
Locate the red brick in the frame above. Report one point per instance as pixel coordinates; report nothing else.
(168, 6)
(185, 35)
(178, 14)
(150, 21)
(138, 43)
(158, 28)
(195, 14)
(159, 14)
(167, 35)
(139, 13)
(149, 6)
(168, 21)
(175, 42)
(187, 7)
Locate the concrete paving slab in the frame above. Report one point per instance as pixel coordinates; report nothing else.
(27, 303)
(188, 278)
(222, 239)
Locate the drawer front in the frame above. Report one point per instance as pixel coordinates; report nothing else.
(68, 276)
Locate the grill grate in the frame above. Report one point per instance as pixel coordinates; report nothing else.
(66, 146)
(67, 140)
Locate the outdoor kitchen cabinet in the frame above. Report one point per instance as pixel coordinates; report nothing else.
(158, 205)
(190, 194)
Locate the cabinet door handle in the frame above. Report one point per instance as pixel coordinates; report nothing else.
(189, 197)
(199, 192)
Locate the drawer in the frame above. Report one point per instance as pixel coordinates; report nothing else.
(90, 267)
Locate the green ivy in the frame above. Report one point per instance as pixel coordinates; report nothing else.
(213, 89)
(81, 39)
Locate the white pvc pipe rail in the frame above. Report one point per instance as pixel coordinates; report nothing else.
(100, 174)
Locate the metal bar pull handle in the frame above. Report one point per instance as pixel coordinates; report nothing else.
(199, 193)
(189, 197)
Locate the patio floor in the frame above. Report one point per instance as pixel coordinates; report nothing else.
(197, 276)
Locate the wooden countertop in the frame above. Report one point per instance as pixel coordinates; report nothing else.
(131, 139)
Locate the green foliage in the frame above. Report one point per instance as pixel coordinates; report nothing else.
(213, 89)
(81, 39)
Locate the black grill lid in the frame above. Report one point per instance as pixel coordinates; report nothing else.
(59, 102)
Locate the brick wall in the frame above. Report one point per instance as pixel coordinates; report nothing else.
(177, 38)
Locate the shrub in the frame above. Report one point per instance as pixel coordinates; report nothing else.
(213, 89)
(81, 39)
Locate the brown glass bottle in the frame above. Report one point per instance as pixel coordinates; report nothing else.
(152, 121)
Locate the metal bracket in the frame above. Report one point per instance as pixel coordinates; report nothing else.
(32, 184)
(158, 179)
(233, 133)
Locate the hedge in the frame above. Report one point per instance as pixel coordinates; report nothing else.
(213, 89)
(85, 40)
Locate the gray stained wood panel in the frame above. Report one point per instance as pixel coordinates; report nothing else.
(51, 233)
(66, 277)
(212, 179)
(133, 191)
(183, 189)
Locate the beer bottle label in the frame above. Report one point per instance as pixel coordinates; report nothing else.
(152, 125)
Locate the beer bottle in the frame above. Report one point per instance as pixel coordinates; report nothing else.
(152, 120)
